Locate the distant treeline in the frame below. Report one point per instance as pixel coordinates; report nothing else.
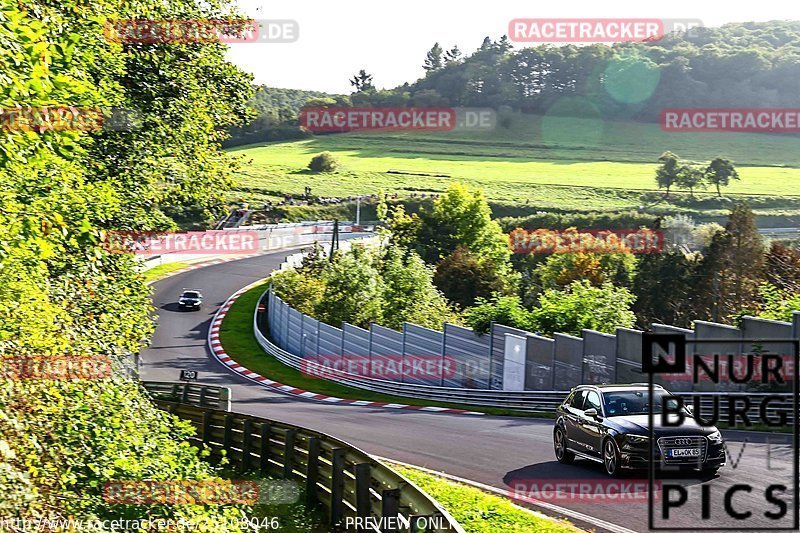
(740, 65)
(277, 118)
(754, 64)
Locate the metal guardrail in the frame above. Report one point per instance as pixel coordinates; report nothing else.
(524, 401)
(190, 393)
(344, 480)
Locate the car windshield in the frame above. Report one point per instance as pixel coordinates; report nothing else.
(635, 402)
(191, 294)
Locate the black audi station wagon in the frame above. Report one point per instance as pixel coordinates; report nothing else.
(608, 424)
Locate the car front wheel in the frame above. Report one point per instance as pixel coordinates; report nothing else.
(611, 458)
(563, 455)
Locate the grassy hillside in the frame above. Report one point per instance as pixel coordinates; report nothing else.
(544, 161)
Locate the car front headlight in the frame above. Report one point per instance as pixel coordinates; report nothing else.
(638, 439)
(716, 437)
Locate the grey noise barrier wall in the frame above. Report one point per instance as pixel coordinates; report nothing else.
(471, 361)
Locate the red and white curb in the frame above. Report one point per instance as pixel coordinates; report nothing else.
(220, 355)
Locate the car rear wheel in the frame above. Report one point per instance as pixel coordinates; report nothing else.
(563, 455)
(611, 458)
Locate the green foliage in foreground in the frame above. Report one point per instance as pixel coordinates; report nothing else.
(61, 293)
(505, 310)
(481, 512)
(582, 306)
(63, 440)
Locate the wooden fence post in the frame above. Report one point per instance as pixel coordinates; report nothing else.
(337, 486)
(390, 507)
(247, 435)
(312, 471)
(206, 426)
(363, 472)
(264, 451)
(288, 453)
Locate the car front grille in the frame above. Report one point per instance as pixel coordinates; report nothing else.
(667, 444)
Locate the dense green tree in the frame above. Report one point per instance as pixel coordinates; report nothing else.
(464, 277)
(362, 82)
(666, 289)
(561, 269)
(62, 293)
(462, 217)
(702, 68)
(668, 172)
(353, 292)
(409, 293)
(719, 173)
(778, 304)
(303, 290)
(690, 177)
(504, 310)
(733, 267)
(582, 306)
(433, 59)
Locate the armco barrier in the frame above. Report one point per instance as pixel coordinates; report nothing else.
(344, 480)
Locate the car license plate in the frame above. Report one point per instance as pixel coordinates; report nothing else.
(685, 452)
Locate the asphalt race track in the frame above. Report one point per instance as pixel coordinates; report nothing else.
(496, 451)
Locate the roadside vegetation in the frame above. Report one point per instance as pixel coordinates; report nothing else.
(62, 293)
(482, 512)
(161, 271)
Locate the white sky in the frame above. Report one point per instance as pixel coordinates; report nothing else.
(390, 39)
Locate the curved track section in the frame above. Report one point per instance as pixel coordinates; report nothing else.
(495, 451)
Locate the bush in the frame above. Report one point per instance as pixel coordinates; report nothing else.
(778, 304)
(388, 287)
(561, 269)
(353, 292)
(463, 278)
(324, 162)
(505, 310)
(301, 291)
(584, 221)
(582, 306)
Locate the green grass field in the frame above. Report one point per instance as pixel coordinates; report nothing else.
(482, 512)
(549, 163)
(161, 271)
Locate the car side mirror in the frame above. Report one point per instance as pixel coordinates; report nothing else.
(591, 412)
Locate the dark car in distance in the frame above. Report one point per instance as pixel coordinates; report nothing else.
(190, 299)
(608, 424)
